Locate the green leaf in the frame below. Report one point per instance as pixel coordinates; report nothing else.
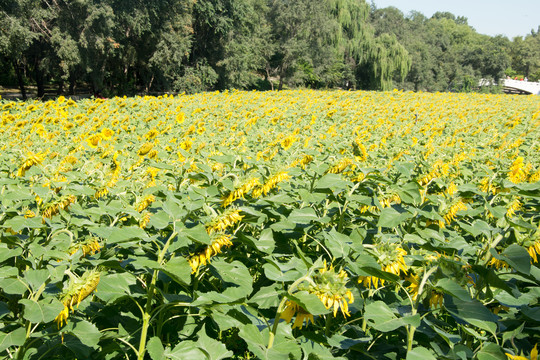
(42, 311)
(391, 218)
(6, 253)
(213, 349)
(410, 193)
(382, 318)
(155, 349)
(303, 216)
(452, 288)
(20, 222)
(36, 278)
(420, 353)
(87, 332)
(118, 235)
(265, 243)
(15, 338)
(518, 258)
(236, 283)
(330, 181)
(197, 234)
(491, 351)
(159, 220)
(310, 302)
(468, 311)
(338, 244)
(266, 297)
(186, 349)
(115, 286)
(178, 269)
(14, 286)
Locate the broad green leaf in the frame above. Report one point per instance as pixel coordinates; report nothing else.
(302, 216)
(213, 349)
(16, 337)
(236, 283)
(330, 181)
(115, 286)
(391, 218)
(265, 243)
(155, 349)
(410, 193)
(178, 269)
(338, 244)
(266, 297)
(42, 311)
(186, 349)
(197, 234)
(518, 258)
(14, 286)
(310, 302)
(36, 278)
(87, 332)
(6, 253)
(468, 310)
(420, 353)
(491, 351)
(452, 288)
(382, 318)
(159, 220)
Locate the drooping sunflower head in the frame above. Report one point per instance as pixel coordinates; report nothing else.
(390, 257)
(330, 285)
(78, 290)
(291, 309)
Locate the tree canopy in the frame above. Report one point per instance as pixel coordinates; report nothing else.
(121, 47)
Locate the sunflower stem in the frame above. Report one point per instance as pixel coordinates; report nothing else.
(280, 308)
(276, 322)
(150, 295)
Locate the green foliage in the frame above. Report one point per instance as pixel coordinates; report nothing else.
(276, 225)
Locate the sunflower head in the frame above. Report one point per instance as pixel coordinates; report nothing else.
(330, 286)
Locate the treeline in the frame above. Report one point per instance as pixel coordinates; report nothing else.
(118, 47)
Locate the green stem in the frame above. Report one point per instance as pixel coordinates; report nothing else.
(150, 295)
(276, 322)
(280, 308)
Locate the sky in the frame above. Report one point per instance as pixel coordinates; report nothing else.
(490, 17)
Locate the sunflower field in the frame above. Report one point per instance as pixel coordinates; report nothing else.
(271, 225)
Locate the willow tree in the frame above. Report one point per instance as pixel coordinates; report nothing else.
(373, 61)
(388, 60)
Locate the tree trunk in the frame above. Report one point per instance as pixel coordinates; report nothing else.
(71, 89)
(20, 79)
(60, 89)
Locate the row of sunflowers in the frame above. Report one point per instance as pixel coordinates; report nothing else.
(271, 225)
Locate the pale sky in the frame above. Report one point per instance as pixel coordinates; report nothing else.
(490, 17)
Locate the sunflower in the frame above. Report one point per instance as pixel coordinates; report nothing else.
(78, 290)
(391, 258)
(88, 247)
(240, 191)
(201, 258)
(228, 219)
(31, 160)
(532, 356)
(534, 250)
(436, 299)
(107, 133)
(414, 286)
(94, 140)
(145, 148)
(340, 166)
(270, 183)
(291, 309)
(330, 287)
